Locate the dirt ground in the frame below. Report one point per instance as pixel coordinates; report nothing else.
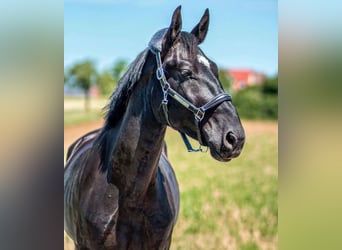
(71, 133)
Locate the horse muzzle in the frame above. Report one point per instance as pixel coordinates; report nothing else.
(226, 147)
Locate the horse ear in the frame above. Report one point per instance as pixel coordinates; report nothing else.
(176, 23)
(201, 29)
(174, 29)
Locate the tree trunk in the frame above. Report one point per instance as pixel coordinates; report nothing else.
(86, 101)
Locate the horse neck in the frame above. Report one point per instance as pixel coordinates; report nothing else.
(138, 146)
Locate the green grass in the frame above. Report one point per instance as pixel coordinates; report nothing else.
(226, 205)
(74, 117)
(74, 112)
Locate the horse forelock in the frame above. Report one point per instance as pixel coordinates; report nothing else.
(185, 47)
(189, 42)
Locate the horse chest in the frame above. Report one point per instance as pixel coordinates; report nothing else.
(144, 231)
(148, 226)
(128, 226)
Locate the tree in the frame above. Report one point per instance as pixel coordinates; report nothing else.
(108, 80)
(270, 85)
(106, 83)
(225, 80)
(82, 75)
(258, 101)
(118, 69)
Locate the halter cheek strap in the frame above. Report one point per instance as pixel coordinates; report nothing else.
(155, 47)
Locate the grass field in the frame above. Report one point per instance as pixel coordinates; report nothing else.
(226, 205)
(74, 112)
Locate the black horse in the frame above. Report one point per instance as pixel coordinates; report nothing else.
(120, 191)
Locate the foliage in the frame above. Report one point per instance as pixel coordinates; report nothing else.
(106, 83)
(81, 75)
(258, 102)
(118, 70)
(108, 79)
(225, 81)
(270, 86)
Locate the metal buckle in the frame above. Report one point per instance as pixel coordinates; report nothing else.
(165, 93)
(199, 115)
(166, 87)
(201, 150)
(165, 101)
(189, 146)
(159, 73)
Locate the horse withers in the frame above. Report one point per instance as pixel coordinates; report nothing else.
(120, 191)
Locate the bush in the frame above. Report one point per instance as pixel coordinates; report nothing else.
(270, 86)
(258, 102)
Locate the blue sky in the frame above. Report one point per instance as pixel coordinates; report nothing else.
(242, 34)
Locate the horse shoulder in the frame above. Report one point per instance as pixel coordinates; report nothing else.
(81, 141)
(164, 201)
(91, 203)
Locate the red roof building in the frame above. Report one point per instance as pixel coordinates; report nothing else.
(94, 91)
(243, 78)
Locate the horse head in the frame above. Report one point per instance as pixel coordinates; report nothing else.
(199, 107)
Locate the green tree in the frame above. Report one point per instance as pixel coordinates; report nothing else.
(258, 102)
(270, 85)
(82, 75)
(106, 83)
(225, 80)
(118, 70)
(108, 80)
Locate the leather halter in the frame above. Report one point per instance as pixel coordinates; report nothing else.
(155, 47)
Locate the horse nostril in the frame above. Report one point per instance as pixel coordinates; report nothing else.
(231, 138)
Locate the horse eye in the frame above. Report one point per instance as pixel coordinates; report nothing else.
(186, 73)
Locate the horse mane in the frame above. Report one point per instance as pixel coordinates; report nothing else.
(116, 108)
(119, 98)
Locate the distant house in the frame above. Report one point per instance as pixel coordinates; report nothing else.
(244, 77)
(94, 91)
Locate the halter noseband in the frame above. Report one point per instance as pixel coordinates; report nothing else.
(155, 47)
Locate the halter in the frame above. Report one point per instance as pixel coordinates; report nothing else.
(155, 47)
